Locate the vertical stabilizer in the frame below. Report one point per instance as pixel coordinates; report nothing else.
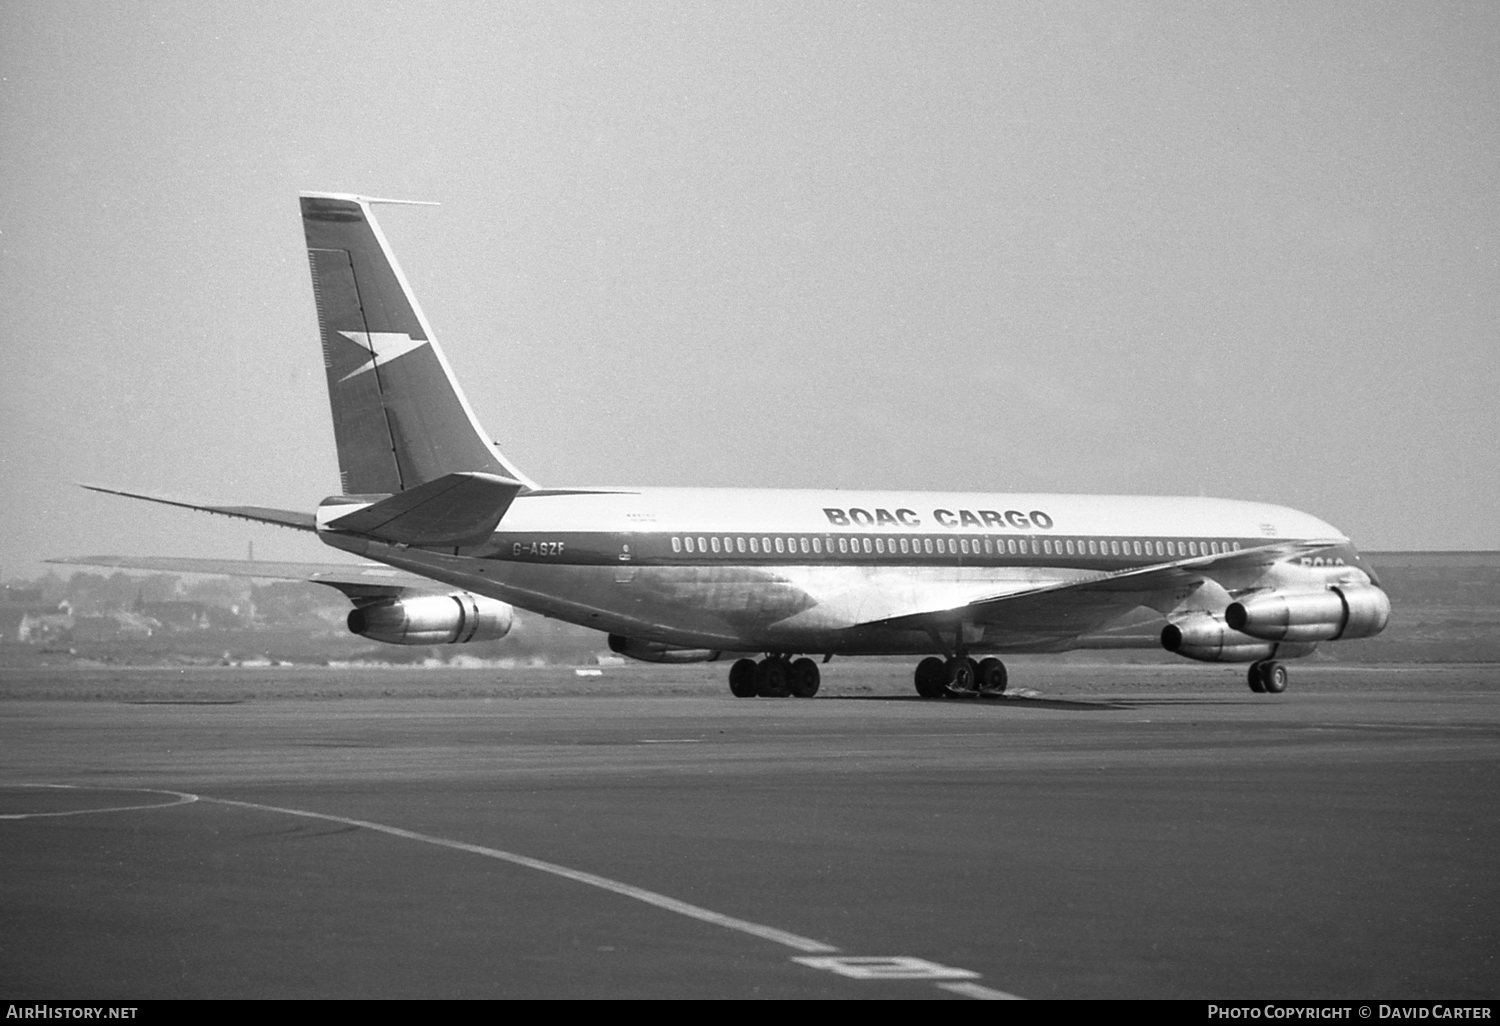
(399, 417)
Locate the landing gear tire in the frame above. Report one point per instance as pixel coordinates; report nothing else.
(1274, 676)
(1267, 677)
(992, 677)
(742, 678)
(1254, 679)
(960, 676)
(771, 678)
(803, 678)
(931, 678)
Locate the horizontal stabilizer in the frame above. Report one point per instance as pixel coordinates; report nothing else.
(353, 579)
(455, 509)
(261, 514)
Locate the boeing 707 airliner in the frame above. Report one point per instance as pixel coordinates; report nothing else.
(458, 536)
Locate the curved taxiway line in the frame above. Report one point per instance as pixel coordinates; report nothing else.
(182, 798)
(859, 967)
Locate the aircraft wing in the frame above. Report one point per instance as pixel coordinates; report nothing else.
(1083, 602)
(262, 514)
(356, 580)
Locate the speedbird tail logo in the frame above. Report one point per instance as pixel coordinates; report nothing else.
(383, 347)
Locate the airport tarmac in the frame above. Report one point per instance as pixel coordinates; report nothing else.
(1125, 831)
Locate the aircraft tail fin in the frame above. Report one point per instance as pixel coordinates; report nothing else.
(400, 419)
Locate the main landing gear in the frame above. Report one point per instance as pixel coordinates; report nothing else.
(775, 676)
(1267, 677)
(960, 676)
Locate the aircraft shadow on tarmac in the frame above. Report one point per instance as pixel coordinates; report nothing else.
(1011, 702)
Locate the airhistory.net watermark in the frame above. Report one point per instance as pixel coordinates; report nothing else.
(47, 1011)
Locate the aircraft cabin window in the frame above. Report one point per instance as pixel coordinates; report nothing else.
(780, 545)
(765, 545)
(843, 545)
(927, 545)
(676, 544)
(880, 545)
(818, 546)
(866, 545)
(1114, 548)
(739, 543)
(714, 544)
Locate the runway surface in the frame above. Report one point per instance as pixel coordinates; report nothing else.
(1136, 831)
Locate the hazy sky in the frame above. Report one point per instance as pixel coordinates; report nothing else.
(1249, 250)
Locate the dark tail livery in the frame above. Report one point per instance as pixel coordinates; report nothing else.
(399, 417)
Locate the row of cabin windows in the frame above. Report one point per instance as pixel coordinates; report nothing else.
(815, 545)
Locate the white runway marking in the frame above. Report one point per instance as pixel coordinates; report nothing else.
(769, 933)
(978, 992)
(897, 967)
(887, 967)
(182, 799)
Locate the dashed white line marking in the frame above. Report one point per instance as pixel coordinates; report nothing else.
(181, 799)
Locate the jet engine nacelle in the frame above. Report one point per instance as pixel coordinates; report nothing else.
(1347, 611)
(433, 619)
(1211, 640)
(659, 652)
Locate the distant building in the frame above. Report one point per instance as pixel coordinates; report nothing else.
(33, 626)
